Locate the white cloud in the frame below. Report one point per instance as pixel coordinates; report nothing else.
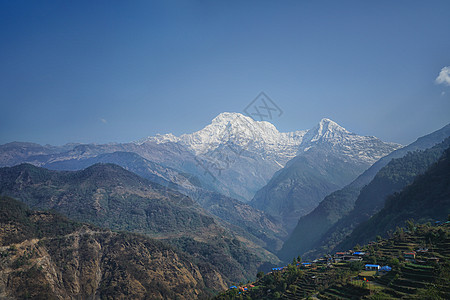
(444, 76)
(103, 121)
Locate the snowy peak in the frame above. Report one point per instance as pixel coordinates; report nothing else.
(326, 125)
(243, 131)
(263, 139)
(230, 117)
(325, 130)
(159, 139)
(331, 137)
(237, 120)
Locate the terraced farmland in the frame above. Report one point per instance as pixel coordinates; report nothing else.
(426, 276)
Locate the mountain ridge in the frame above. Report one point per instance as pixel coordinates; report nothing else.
(312, 230)
(329, 158)
(233, 155)
(111, 197)
(426, 199)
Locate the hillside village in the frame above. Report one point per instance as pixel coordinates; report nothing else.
(412, 263)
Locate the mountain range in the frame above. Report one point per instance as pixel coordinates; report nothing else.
(109, 196)
(237, 195)
(426, 199)
(332, 219)
(256, 225)
(234, 155)
(237, 157)
(328, 158)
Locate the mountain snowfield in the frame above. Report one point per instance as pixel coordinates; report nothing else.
(263, 137)
(238, 130)
(330, 136)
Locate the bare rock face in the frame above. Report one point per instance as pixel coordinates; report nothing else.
(44, 256)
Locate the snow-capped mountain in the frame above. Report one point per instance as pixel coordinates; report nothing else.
(234, 154)
(243, 154)
(329, 135)
(328, 158)
(238, 130)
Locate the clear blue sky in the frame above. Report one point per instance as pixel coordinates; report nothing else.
(117, 71)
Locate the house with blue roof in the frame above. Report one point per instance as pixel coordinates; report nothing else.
(369, 267)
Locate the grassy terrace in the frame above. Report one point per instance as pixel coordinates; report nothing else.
(426, 277)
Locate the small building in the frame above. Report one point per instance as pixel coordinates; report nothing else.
(306, 265)
(409, 255)
(369, 267)
(359, 253)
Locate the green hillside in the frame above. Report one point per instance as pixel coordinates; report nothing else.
(336, 216)
(425, 277)
(106, 195)
(426, 199)
(397, 174)
(111, 197)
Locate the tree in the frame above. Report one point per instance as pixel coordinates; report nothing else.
(260, 275)
(356, 265)
(410, 225)
(394, 263)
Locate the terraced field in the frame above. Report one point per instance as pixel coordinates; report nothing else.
(427, 276)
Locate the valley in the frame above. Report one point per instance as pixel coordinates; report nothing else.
(316, 192)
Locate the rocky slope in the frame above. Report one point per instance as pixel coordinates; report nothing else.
(46, 256)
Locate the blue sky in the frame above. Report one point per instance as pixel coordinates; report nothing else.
(117, 71)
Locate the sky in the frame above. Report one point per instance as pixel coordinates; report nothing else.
(118, 71)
